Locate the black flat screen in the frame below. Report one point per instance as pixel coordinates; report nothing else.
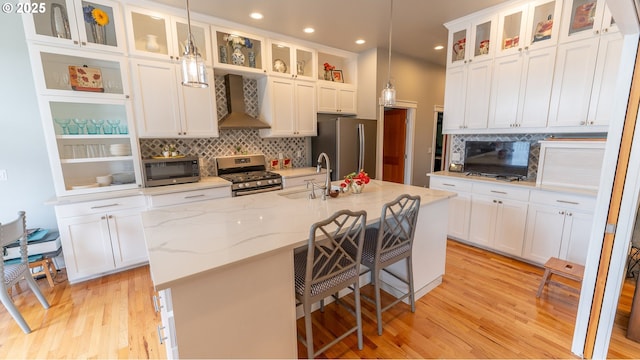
(497, 157)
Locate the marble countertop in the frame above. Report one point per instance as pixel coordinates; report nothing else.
(187, 240)
(527, 183)
(204, 183)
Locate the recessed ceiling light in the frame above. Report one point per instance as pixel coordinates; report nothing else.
(256, 15)
(438, 47)
(309, 30)
(360, 41)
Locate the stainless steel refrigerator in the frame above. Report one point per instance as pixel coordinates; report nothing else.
(349, 142)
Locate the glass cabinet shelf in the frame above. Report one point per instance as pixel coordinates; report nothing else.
(104, 74)
(238, 51)
(98, 159)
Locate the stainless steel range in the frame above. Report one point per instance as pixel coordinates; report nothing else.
(248, 174)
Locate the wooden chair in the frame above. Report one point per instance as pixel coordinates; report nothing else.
(13, 273)
(330, 264)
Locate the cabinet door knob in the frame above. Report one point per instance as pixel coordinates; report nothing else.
(583, 122)
(605, 30)
(526, 48)
(103, 217)
(597, 32)
(110, 216)
(171, 57)
(570, 214)
(520, 49)
(494, 201)
(84, 43)
(75, 42)
(126, 96)
(561, 212)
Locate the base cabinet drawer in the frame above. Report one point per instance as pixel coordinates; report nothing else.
(185, 197)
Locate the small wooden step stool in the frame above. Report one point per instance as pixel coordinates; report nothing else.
(562, 268)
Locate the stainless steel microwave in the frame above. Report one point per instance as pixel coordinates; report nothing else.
(169, 171)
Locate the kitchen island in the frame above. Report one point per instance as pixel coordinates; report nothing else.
(229, 263)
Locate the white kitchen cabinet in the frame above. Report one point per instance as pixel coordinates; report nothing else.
(583, 19)
(51, 73)
(289, 106)
(160, 36)
(604, 80)
(471, 39)
(521, 89)
(584, 82)
(527, 27)
(291, 61)
(165, 108)
(102, 236)
(337, 98)
(459, 206)
(238, 52)
(63, 23)
(575, 66)
(163, 304)
(558, 225)
(80, 153)
(467, 92)
(498, 217)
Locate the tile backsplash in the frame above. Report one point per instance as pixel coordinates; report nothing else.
(232, 142)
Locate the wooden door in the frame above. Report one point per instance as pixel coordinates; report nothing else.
(393, 148)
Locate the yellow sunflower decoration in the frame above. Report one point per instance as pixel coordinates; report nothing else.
(94, 15)
(100, 17)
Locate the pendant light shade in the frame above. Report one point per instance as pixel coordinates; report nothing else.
(194, 73)
(389, 92)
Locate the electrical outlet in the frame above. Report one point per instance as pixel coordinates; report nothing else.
(455, 156)
(3, 175)
(299, 154)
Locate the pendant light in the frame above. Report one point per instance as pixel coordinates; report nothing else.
(389, 93)
(194, 73)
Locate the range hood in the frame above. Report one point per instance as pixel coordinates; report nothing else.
(237, 118)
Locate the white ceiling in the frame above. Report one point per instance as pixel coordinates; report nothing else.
(417, 24)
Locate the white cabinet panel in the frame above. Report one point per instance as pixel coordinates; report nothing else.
(573, 79)
(86, 245)
(544, 233)
(483, 219)
(127, 238)
(167, 109)
(604, 82)
(510, 226)
(289, 106)
(459, 206)
(477, 95)
(454, 98)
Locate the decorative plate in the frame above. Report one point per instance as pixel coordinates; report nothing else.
(279, 66)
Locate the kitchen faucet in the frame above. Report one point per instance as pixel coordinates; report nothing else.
(327, 181)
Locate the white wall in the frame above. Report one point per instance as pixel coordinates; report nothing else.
(23, 151)
(367, 90)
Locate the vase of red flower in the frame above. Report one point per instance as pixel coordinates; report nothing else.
(327, 71)
(355, 182)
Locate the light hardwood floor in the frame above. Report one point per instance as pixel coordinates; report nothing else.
(485, 308)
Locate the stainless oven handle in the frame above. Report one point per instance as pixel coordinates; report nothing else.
(249, 192)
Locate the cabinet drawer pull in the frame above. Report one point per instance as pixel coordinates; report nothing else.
(104, 206)
(568, 202)
(498, 192)
(446, 184)
(194, 196)
(160, 337)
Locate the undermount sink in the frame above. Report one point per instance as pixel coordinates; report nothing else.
(296, 194)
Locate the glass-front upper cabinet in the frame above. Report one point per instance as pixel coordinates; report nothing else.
(530, 26)
(201, 37)
(291, 61)
(471, 40)
(237, 51)
(92, 145)
(586, 18)
(95, 24)
(70, 72)
(160, 36)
